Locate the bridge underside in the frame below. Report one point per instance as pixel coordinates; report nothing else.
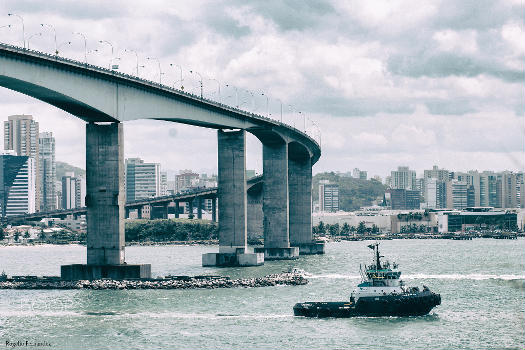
(97, 95)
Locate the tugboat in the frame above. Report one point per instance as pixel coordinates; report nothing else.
(380, 293)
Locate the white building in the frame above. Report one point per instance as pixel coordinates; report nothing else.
(328, 196)
(143, 180)
(403, 178)
(18, 185)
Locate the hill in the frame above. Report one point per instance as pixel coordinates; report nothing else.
(63, 168)
(353, 193)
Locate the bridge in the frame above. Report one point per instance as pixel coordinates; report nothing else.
(106, 99)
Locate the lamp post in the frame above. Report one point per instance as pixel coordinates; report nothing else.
(219, 87)
(33, 35)
(236, 95)
(281, 102)
(137, 56)
(200, 76)
(267, 105)
(107, 42)
(23, 27)
(253, 99)
(181, 79)
(55, 34)
(85, 45)
(112, 50)
(160, 70)
(60, 45)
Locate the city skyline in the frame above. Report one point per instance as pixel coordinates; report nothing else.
(460, 106)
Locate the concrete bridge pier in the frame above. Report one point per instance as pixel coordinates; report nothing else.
(214, 209)
(105, 202)
(199, 207)
(177, 209)
(300, 199)
(275, 203)
(233, 248)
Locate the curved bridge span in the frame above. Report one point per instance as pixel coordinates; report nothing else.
(105, 99)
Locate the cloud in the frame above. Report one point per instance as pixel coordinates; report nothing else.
(386, 81)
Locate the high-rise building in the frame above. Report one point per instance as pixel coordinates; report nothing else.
(403, 178)
(68, 191)
(73, 192)
(508, 190)
(436, 173)
(401, 199)
(21, 136)
(185, 180)
(328, 196)
(456, 194)
(359, 174)
(47, 165)
(435, 193)
(143, 180)
(163, 183)
(17, 184)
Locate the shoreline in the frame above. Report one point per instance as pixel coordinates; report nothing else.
(328, 239)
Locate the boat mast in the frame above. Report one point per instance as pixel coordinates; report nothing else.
(378, 265)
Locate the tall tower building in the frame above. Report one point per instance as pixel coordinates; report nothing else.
(47, 165)
(17, 185)
(328, 196)
(21, 136)
(403, 178)
(143, 180)
(73, 191)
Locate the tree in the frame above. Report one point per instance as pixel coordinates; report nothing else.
(42, 235)
(27, 235)
(361, 228)
(321, 228)
(375, 229)
(2, 234)
(17, 236)
(345, 229)
(334, 229)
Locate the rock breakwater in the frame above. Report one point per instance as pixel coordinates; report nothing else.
(169, 282)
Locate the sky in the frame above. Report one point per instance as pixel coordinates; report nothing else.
(387, 83)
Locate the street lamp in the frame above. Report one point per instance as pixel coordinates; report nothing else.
(181, 79)
(253, 99)
(218, 85)
(23, 27)
(160, 70)
(137, 56)
(85, 45)
(267, 105)
(60, 45)
(281, 102)
(107, 42)
(29, 38)
(200, 76)
(55, 34)
(236, 95)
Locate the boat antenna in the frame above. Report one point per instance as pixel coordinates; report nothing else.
(378, 264)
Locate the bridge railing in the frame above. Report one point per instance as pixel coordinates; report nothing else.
(306, 127)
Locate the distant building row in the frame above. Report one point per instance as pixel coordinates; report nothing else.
(440, 188)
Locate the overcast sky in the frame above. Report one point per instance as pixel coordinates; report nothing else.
(388, 82)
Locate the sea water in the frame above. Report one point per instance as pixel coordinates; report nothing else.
(481, 282)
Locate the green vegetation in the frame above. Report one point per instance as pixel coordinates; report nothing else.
(344, 230)
(170, 230)
(353, 193)
(63, 168)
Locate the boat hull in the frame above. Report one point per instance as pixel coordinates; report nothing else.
(417, 304)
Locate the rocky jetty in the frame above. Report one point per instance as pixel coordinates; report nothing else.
(168, 282)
